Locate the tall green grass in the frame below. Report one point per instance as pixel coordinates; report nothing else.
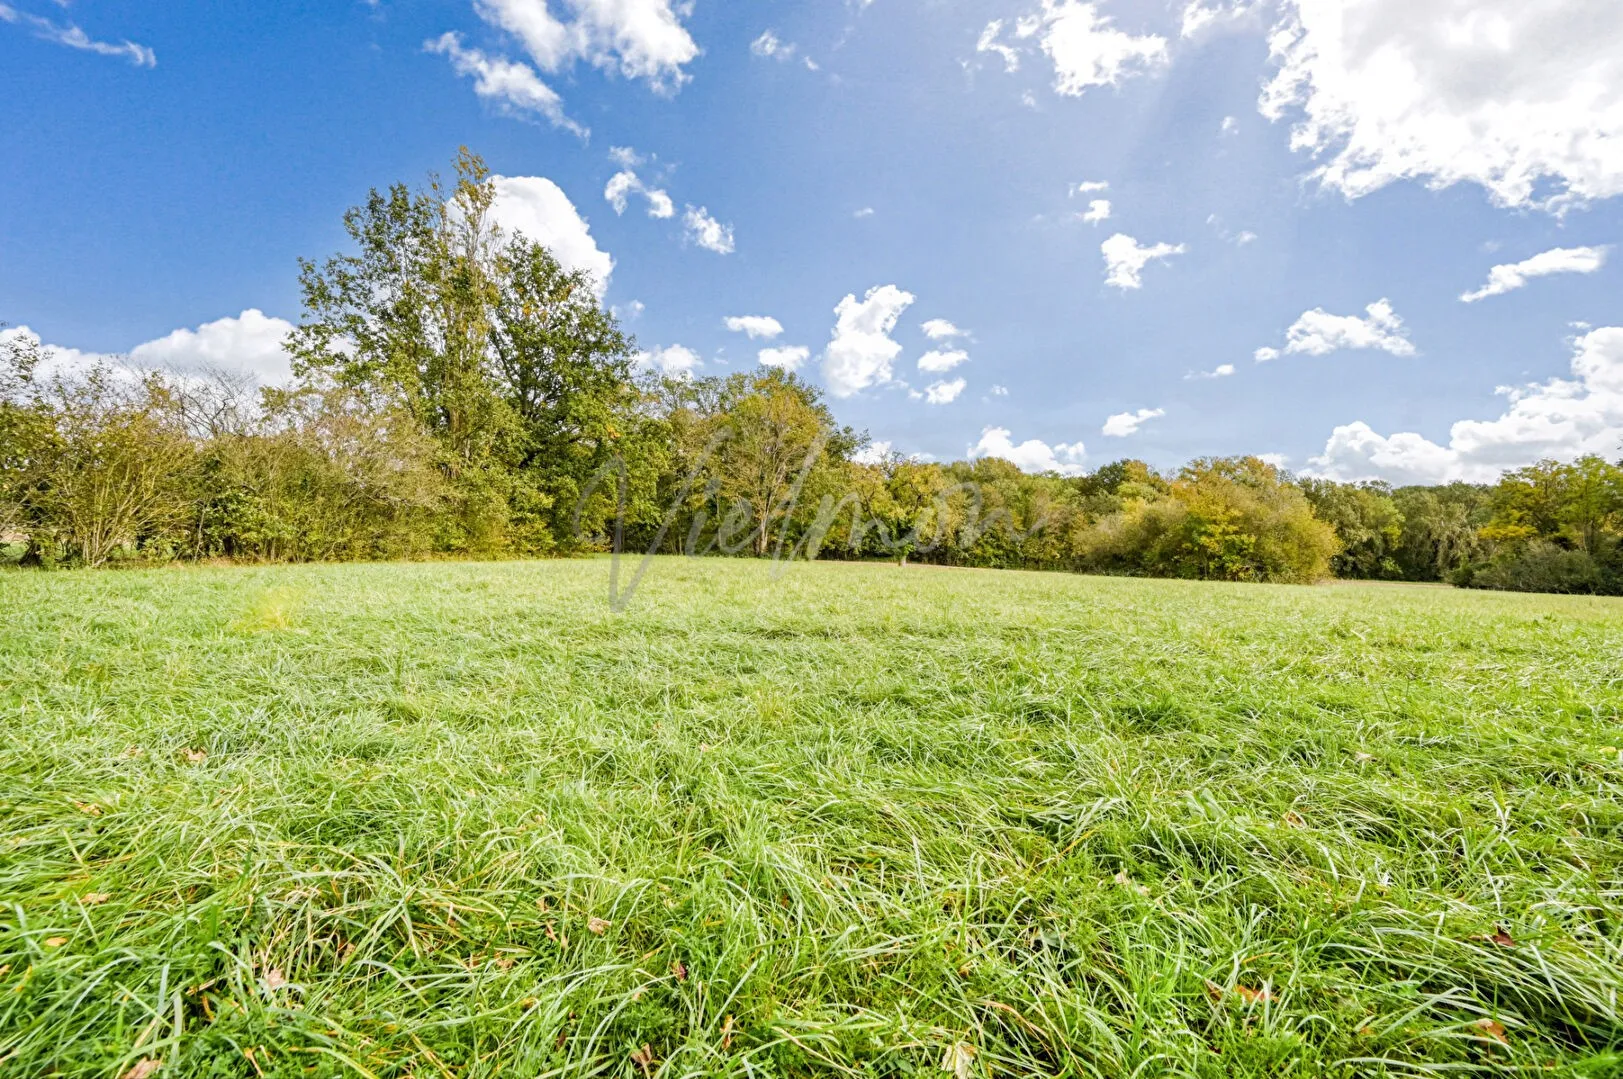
(463, 820)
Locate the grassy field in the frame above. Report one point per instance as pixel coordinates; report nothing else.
(463, 820)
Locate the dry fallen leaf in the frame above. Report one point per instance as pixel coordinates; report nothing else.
(197, 756)
(1491, 1029)
(1294, 819)
(95, 899)
(90, 808)
(274, 979)
(1502, 938)
(599, 926)
(727, 1032)
(680, 971)
(1253, 996)
(959, 1059)
(133, 752)
(1245, 993)
(1363, 758)
(55, 942)
(643, 1058)
(143, 1068)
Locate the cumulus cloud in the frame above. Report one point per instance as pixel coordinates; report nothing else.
(937, 360)
(247, 346)
(1125, 259)
(74, 38)
(1222, 370)
(860, 351)
(939, 329)
(1123, 424)
(513, 87)
(788, 357)
(1086, 49)
(999, 391)
(1524, 99)
(640, 39)
(1506, 278)
(676, 361)
(756, 326)
(625, 183)
(538, 208)
(1098, 210)
(1031, 455)
(1561, 419)
(1088, 187)
(707, 232)
(944, 392)
(1319, 333)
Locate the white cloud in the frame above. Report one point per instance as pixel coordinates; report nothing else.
(1223, 370)
(939, 329)
(74, 38)
(989, 42)
(1561, 419)
(944, 392)
(772, 47)
(1086, 49)
(860, 350)
(538, 208)
(937, 360)
(1098, 210)
(1230, 126)
(1198, 15)
(1031, 455)
(872, 454)
(248, 345)
(1125, 259)
(625, 183)
(756, 326)
(788, 357)
(1500, 93)
(1319, 333)
(513, 87)
(707, 232)
(999, 391)
(1127, 423)
(1506, 278)
(640, 39)
(676, 361)
(1088, 187)
(866, 211)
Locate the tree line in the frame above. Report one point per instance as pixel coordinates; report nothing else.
(458, 392)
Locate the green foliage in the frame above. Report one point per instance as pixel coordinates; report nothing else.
(1367, 522)
(505, 358)
(1555, 527)
(844, 820)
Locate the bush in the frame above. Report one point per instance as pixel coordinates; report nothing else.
(1540, 566)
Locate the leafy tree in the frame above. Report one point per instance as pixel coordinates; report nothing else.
(506, 358)
(1367, 522)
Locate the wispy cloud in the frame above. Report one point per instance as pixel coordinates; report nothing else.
(74, 38)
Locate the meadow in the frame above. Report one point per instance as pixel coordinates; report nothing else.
(463, 820)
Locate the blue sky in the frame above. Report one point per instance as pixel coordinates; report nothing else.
(1276, 169)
